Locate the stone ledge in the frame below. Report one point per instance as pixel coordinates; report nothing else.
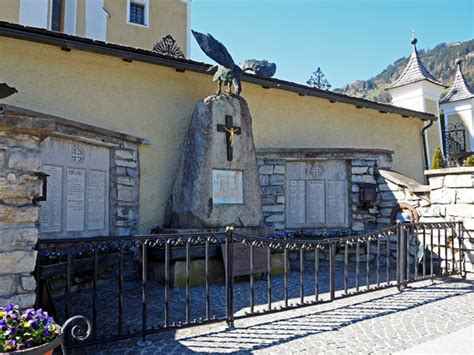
(450, 171)
(410, 184)
(28, 121)
(346, 153)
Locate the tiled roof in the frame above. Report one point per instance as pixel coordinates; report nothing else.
(414, 71)
(460, 90)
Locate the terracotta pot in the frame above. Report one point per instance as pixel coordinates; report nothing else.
(43, 349)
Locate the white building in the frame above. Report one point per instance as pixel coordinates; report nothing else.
(418, 89)
(458, 109)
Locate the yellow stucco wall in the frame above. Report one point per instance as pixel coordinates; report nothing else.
(165, 17)
(10, 10)
(156, 103)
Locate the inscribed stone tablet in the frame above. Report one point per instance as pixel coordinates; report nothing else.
(336, 202)
(75, 196)
(96, 200)
(297, 202)
(317, 202)
(51, 208)
(227, 187)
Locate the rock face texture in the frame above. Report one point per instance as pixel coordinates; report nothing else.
(211, 190)
(19, 186)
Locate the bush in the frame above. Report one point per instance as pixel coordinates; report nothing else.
(438, 160)
(469, 161)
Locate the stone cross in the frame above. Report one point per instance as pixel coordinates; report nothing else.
(230, 132)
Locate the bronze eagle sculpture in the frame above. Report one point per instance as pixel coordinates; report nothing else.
(6, 90)
(227, 72)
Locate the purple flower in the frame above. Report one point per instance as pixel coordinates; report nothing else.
(12, 307)
(9, 345)
(34, 324)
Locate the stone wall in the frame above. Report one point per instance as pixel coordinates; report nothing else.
(363, 169)
(19, 186)
(124, 189)
(452, 199)
(21, 134)
(448, 197)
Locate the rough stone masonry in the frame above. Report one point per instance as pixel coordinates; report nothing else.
(19, 186)
(218, 181)
(22, 137)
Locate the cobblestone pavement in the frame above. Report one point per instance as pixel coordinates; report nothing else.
(384, 321)
(108, 296)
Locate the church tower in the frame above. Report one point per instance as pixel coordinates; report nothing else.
(458, 109)
(417, 89)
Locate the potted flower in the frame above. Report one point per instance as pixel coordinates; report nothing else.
(27, 331)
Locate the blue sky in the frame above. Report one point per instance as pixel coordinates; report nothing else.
(348, 39)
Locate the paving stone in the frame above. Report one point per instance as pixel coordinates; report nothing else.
(382, 322)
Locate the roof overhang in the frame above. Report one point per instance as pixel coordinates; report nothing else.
(130, 54)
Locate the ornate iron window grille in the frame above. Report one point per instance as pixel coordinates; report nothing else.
(454, 142)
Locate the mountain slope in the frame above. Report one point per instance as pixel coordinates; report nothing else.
(440, 61)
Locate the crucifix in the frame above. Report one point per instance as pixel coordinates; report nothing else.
(229, 137)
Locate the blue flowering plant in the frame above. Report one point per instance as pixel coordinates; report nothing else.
(24, 329)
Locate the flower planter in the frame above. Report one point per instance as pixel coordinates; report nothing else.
(46, 349)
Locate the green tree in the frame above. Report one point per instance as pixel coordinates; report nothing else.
(438, 160)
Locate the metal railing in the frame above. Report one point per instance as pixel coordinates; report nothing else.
(95, 277)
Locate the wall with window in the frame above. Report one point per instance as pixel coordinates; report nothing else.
(142, 23)
(135, 23)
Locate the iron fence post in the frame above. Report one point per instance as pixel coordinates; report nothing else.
(398, 255)
(230, 277)
(403, 257)
(332, 267)
(461, 254)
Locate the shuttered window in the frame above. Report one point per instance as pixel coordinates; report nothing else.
(137, 13)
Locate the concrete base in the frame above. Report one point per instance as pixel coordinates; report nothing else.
(197, 271)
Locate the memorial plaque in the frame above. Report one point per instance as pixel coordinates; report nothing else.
(336, 202)
(316, 202)
(297, 202)
(50, 220)
(241, 260)
(317, 194)
(227, 187)
(96, 200)
(77, 189)
(75, 199)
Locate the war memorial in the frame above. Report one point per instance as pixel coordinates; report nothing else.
(151, 198)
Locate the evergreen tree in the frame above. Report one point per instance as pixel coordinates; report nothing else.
(318, 80)
(438, 160)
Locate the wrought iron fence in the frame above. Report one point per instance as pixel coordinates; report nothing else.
(95, 277)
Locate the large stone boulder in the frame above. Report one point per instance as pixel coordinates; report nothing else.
(211, 190)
